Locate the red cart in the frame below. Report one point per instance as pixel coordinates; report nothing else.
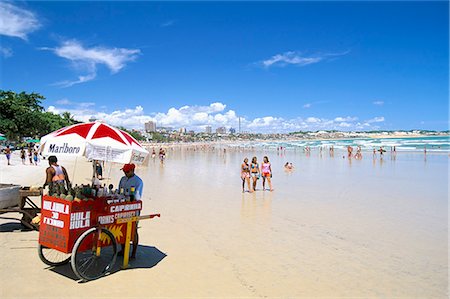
(86, 233)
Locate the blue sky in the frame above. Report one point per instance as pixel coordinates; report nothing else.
(279, 66)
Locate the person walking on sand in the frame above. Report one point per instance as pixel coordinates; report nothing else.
(266, 170)
(245, 175)
(255, 174)
(22, 155)
(35, 157)
(8, 154)
(30, 154)
(153, 154)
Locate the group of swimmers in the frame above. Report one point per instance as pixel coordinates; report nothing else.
(253, 172)
(162, 155)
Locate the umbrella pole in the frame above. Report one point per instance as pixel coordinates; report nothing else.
(109, 173)
(74, 168)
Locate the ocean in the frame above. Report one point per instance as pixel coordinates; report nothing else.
(432, 144)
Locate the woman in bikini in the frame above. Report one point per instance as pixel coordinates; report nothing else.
(245, 175)
(255, 174)
(266, 171)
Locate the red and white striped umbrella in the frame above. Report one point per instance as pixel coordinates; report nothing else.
(94, 140)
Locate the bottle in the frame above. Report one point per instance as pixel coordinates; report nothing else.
(132, 193)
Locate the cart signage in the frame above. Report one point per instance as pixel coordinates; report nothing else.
(56, 207)
(127, 207)
(80, 220)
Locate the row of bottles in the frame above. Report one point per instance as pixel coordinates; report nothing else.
(91, 192)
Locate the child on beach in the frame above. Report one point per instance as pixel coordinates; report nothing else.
(245, 175)
(266, 171)
(35, 157)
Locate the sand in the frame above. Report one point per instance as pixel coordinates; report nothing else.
(332, 228)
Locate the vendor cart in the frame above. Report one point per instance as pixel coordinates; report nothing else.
(86, 233)
(18, 199)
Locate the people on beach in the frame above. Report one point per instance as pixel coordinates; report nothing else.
(358, 154)
(127, 183)
(98, 170)
(30, 154)
(349, 151)
(56, 177)
(245, 175)
(162, 155)
(288, 166)
(266, 170)
(153, 154)
(35, 157)
(22, 155)
(255, 173)
(381, 150)
(8, 154)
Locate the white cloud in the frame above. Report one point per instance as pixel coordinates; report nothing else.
(376, 120)
(168, 23)
(313, 120)
(297, 58)
(214, 115)
(378, 103)
(6, 52)
(16, 21)
(88, 59)
(63, 102)
(308, 105)
(344, 119)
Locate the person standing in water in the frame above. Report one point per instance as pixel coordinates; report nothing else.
(245, 175)
(266, 171)
(255, 174)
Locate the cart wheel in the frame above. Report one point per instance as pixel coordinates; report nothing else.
(52, 257)
(90, 262)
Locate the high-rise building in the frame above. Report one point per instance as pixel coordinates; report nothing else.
(208, 130)
(150, 126)
(183, 130)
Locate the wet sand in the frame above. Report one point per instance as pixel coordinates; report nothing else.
(332, 228)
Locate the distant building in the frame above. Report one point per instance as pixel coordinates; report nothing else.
(164, 129)
(150, 126)
(92, 119)
(232, 131)
(208, 130)
(183, 130)
(221, 130)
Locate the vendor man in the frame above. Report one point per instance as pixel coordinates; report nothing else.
(56, 175)
(130, 179)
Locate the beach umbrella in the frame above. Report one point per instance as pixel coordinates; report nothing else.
(32, 141)
(96, 141)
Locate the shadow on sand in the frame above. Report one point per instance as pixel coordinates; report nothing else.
(10, 227)
(146, 257)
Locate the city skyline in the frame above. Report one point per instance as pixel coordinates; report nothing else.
(279, 67)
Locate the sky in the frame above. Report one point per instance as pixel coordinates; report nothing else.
(279, 67)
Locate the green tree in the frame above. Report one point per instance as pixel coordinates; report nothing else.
(21, 114)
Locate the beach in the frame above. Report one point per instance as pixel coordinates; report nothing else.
(333, 227)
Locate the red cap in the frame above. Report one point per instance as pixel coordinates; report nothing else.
(128, 167)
